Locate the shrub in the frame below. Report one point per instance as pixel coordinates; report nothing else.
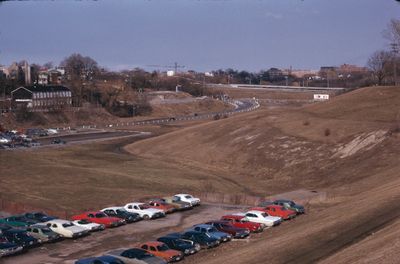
(306, 123)
(327, 132)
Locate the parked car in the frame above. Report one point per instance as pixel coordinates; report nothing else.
(243, 222)
(20, 237)
(42, 233)
(262, 218)
(277, 210)
(187, 247)
(135, 256)
(161, 250)
(212, 231)
(100, 218)
(100, 260)
(17, 221)
(179, 205)
(227, 227)
(88, 225)
(187, 198)
(202, 239)
(144, 210)
(167, 208)
(58, 141)
(120, 212)
(52, 131)
(39, 217)
(66, 228)
(291, 206)
(7, 248)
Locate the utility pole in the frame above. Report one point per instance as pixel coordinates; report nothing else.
(395, 50)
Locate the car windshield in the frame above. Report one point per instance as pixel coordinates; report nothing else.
(67, 224)
(188, 196)
(83, 222)
(101, 215)
(143, 206)
(283, 208)
(291, 203)
(17, 218)
(46, 230)
(121, 211)
(264, 214)
(162, 247)
(181, 242)
(212, 229)
(39, 215)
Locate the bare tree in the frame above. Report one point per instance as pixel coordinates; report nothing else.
(392, 33)
(79, 70)
(379, 64)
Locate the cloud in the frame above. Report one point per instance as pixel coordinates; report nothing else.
(273, 15)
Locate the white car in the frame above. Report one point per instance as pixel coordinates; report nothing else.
(66, 228)
(187, 198)
(52, 131)
(4, 140)
(262, 218)
(145, 211)
(87, 225)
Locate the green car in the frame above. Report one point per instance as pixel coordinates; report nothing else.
(17, 221)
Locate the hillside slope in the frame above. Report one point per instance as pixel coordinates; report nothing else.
(283, 149)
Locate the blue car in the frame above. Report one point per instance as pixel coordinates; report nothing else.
(212, 232)
(100, 260)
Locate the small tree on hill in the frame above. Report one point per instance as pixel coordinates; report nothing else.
(379, 64)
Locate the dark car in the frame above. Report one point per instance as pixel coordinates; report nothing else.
(212, 231)
(291, 205)
(226, 227)
(202, 239)
(20, 237)
(7, 248)
(131, 254)
(58, 141)
(39, 217)
(185, 246)
(100, 260)
(122, 213)
(17, 221)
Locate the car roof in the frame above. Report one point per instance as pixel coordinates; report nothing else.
(203, 225)
(282, 201)
(274, 206)
(181, 194)
(153, 243)
(58, 221)
(135, 203)
(112, 208)
(38, 225)
(254, 212)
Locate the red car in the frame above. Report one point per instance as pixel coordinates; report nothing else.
(100, 218)
(277, 210)
(242, 222)
(167, 208)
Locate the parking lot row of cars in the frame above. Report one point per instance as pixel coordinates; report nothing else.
(16, 139)
(174, 247)
(18, 233)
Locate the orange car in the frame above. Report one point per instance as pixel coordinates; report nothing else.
(161, 250)
(167, 208)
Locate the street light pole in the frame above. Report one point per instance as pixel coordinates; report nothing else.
(395, 50)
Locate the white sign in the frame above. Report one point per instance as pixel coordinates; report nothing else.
(170, 73)
(321, 97)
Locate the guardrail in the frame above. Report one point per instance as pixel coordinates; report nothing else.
(253, 105)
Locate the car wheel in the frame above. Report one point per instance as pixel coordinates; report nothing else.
(146, 217)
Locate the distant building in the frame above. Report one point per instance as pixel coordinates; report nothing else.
(42, 98)
(43, 78)
(275, 74)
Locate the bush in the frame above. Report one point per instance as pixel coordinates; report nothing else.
(306, 123)
(327, 132)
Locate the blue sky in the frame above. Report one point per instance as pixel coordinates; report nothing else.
(200, 34)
